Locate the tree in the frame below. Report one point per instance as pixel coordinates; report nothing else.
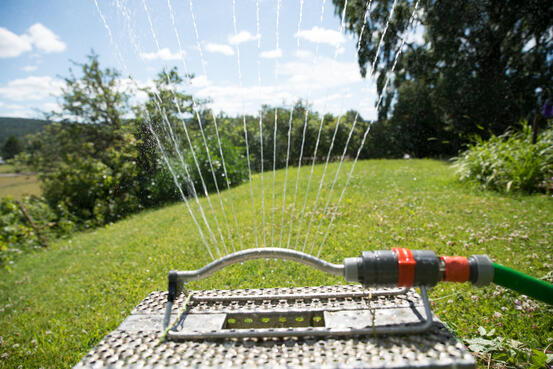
(87, 162)
(484, 62)
(12, 147)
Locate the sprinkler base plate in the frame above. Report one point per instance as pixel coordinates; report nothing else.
(135, 343)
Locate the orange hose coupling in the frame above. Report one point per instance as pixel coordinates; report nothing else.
(457, 269)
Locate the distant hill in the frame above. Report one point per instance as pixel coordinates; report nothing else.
(19, 127)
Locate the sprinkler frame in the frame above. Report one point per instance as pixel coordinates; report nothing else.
(177, 279)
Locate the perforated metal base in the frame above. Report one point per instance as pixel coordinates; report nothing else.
(135, 343)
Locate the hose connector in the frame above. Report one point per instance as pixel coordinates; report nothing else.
(413, 268)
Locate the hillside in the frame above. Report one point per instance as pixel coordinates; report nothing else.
(19, 127)
(56, 304)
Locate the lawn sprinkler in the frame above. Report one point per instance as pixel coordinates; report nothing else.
(380, 321)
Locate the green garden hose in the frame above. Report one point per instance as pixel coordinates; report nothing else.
(523, 283)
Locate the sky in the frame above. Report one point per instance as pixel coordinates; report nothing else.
(270, 52)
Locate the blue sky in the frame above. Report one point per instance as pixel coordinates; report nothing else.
(312, 59)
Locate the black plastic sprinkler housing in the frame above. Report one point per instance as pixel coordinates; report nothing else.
(398, 267)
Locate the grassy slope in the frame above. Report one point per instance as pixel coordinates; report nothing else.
(56, 304)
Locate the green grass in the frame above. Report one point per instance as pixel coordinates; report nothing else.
(19, 185)
(7, 168)
(56, 304)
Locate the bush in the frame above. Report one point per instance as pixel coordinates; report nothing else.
(17, 235)
(510, 162)
(96, 191)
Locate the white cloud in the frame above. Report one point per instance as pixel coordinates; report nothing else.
(321, 35)
(233, 99)
(304, 76)
(12, 45)
(219, 48)
(19, 114)
(241, 37)
(31, 88)
(163, 54)
(200, 81)
(332, 86)
(271, 54)
(49, 107)
(14, 106)
(29, 68)
(304, 54)
(45, 40)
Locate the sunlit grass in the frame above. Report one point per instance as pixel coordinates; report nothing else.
(19, 185)
(56, 304)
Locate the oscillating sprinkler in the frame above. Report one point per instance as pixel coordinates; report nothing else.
(398, 267)
(377, 321)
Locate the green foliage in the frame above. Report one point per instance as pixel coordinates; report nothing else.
(12, 147)
(96, 191)
(89, 169)
(510, 162)
(484, 65)
(505, 352)
(18, 236)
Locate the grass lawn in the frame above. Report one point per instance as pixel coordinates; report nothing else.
(18, 185)
(56, 304)
(7, 168)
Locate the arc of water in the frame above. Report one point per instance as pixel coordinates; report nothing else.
(321, 182)
(342, 23)
(165, 120)
(286, 173)
(175, 180)
(315, 207)
(258, 35)
(195, 108)
(291, 223)
(168, 124)
(299, 22)
(169, 129)
(237, 47)
(396, 57)
(371, 72)
(160, 146)
(277, 36)
(365, 17)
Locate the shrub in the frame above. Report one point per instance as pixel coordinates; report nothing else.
(510, 162)
(96, 191)
(17, 235)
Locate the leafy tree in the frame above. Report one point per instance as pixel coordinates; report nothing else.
(12, 147)
(484, 62)
(176, 123)
(87, 162)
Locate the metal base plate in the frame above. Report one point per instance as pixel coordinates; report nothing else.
(135, 343)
